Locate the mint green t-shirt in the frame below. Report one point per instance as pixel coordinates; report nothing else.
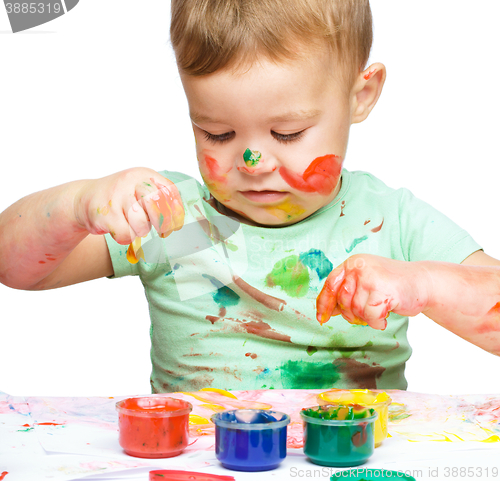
(232, 306)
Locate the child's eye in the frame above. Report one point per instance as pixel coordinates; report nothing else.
(288, 137)
(221, 138)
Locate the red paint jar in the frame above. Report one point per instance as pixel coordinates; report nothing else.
(153, 426)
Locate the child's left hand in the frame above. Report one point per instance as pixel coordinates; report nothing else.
(366, 288)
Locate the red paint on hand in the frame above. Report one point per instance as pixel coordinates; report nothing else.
(320, 177)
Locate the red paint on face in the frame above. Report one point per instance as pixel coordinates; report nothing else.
(214, 170)
(49, 424)
(320, 177)
(5, 473)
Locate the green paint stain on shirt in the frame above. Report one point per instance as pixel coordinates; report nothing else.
(308, 375)
(316, 260)
(251, 157)
(230, 245)
(291, 275)
(224, 296)
(355, 242)
(311, 350)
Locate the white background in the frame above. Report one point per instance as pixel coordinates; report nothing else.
(96, 91)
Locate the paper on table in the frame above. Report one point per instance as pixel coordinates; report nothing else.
(16, 426)
(427, 417)
(89, 426)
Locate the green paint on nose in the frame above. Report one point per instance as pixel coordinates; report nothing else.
(251, 157)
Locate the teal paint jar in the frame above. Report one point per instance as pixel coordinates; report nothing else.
(337, 442)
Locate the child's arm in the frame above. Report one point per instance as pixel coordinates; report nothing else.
(465, 299)
(44, 237)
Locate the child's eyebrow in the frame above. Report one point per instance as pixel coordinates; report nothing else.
(284, 117)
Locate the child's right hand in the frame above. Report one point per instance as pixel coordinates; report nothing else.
(125, 205)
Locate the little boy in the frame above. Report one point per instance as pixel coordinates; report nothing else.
(244, 273)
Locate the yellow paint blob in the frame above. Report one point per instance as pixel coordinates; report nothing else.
(222, 392)
(194, 419)
(135, 252)
(285, 210)
(213, 407)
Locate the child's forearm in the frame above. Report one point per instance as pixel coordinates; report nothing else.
(466, 301)
(37, 233)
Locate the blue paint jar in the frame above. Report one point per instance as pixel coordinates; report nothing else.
(250, 439)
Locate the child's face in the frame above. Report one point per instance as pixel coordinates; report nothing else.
(271, 141)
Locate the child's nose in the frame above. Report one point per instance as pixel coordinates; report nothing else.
(254, 163)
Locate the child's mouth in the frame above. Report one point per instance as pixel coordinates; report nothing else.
(264, 196)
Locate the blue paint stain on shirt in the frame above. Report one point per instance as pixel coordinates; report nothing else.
(355, 242)
(316, 260)
(224, 296)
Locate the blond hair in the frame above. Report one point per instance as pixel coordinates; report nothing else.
(210, 35)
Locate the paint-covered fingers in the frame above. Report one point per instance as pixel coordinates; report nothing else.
(164, 207)
(138, 220)
(326, 302)
(377, 310)
(347, 294)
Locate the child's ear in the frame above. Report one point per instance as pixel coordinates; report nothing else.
(366, 91)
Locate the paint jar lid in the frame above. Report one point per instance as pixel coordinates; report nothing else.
(250, 419)
(154, 406)
(363, 474)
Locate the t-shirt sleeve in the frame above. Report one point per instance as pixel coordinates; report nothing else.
(427, 234)
(118, 253)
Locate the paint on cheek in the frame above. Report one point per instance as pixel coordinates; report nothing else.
(252, 355)
(320, 177)
(285, 211)
(214, 171)
(2, 476)
(251, 157)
